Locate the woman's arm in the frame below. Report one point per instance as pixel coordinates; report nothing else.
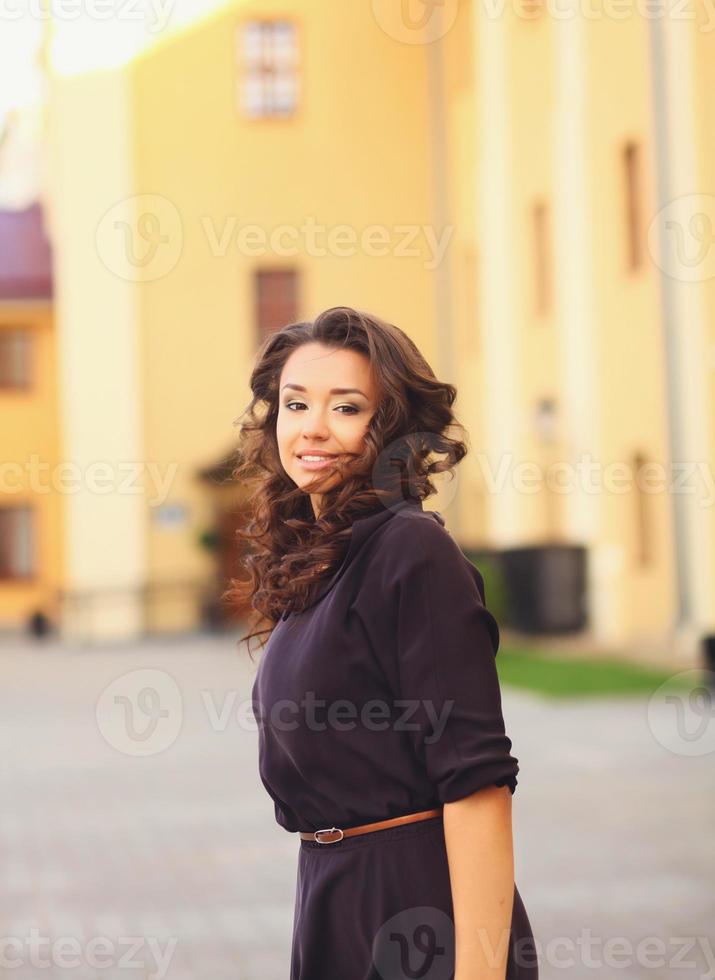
(445, 640)
(478, 834)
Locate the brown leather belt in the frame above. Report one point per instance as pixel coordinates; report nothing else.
(368, 828)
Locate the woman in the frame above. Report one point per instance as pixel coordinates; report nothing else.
(381, 736)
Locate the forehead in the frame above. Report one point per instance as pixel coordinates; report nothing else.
(318, 367)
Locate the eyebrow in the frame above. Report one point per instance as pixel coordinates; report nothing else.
(333, 391)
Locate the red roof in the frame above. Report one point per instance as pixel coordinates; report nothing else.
(25, 255)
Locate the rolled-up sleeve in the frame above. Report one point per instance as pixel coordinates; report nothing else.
(446, 645)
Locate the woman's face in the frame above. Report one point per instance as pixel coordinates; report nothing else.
(326, 400)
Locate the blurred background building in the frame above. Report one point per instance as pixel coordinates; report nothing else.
(526, 195)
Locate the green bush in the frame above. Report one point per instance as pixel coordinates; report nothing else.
(494, 587)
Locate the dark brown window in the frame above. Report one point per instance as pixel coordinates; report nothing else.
(16, 542)
(267, 57)
(633, 221)
(14, 358)
(542, 257)
(642, 516)
(276, 299)
(530, 9)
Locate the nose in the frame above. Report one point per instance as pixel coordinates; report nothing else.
(315, 427)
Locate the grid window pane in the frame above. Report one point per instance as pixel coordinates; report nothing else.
(253, 96)
(254, 43)
(268, 56)
(284, 41)
(285, 90)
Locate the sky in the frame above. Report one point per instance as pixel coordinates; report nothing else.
(84, 35)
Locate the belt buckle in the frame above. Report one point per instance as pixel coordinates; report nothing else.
(328, 830)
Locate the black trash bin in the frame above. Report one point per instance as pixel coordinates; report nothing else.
(38, 624)
(545, 588)
(709, 659)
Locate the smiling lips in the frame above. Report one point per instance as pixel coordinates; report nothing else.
(316, 461)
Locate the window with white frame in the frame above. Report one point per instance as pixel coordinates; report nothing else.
(267, 56)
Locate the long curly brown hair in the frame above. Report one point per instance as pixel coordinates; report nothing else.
(290, 551)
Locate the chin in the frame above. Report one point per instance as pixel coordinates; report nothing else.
(327, 485)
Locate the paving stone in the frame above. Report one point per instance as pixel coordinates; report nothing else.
(613, 833)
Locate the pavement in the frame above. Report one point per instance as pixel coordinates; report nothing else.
(138, 840)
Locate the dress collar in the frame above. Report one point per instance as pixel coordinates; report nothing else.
(361, 530)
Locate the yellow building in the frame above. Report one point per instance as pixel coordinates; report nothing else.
(222, 197)
(30, 510)
(494, 180)
(576, 143)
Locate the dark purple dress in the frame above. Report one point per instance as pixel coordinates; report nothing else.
(382, 699)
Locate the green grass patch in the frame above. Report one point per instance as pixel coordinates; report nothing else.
(559, 676)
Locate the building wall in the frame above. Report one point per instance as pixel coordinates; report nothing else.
(30, 450)
(465, 270)
(100, 398)
(356, 154)
(475, 130)
(544, 118)
(629, 364)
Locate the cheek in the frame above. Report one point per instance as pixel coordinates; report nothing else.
(284, 432)
(354, 435)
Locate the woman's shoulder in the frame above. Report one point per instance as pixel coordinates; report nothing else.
(414, 539)
(411, 530)
(418, 561)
